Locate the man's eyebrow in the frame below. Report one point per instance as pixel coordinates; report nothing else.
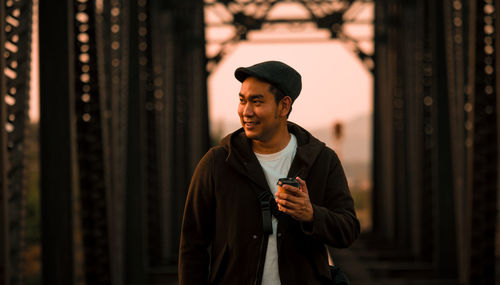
(254, 96)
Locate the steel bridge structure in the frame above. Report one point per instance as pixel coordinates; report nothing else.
(124, 122)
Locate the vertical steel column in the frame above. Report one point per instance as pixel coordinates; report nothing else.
(444, 218)
(385, 56)
(485, 160)
(418, 106)
(153, 111)
(135, 230)
(428, 134)
(111, 38)
(407, 125)
(57, 141)
(456, 39)
(17, 53)
(165, 43)
(457, 172)
(92, 151)
(4, 225)
(399, 119)
(168, 127)
(413, 194)
(167, 130)
(497, 57)
(189, 119)
(392, 70)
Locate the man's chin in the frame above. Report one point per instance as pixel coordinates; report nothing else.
(251, 134)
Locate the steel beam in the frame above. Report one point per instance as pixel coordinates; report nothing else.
(15, 73)
(4, 217)
(485, 159)
(246, 16)
(383, 199)
(135, 239)
(187, 111)
(112, 67)
(92, 150)
(57, 141)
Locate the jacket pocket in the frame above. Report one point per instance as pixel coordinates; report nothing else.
(218, 265)
(322, 266)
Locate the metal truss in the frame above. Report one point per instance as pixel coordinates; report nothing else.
(153, 113)
(128, 146)
(439, 86)
(484, 178)
(92, 148)
(15, 72)
(428, 136)
(237, 19)
(111, 37)
(471, 32)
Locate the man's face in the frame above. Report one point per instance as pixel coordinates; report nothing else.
(259, 114)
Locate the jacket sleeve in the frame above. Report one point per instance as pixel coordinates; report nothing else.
(335, 222)
(197, 225)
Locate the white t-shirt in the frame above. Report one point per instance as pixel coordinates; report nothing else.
(275, 166)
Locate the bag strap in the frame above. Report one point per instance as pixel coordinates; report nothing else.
(268, 208)
(265, 207)
(262, 257)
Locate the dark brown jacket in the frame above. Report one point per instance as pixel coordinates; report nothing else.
(222, 225)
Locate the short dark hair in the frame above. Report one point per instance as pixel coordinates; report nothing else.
(278, 96)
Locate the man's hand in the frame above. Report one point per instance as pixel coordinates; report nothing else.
(295, 202)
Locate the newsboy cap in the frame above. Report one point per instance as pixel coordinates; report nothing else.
(277, 73)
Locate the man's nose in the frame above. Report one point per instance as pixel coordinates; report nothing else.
(248, 110)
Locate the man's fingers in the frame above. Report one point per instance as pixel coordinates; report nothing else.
(288, 208)
(284, 209)
(303, 185)
(291, 204)
(290, 189)
(293, 212)
(295, 197)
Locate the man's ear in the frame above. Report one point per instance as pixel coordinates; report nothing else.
(286, 104)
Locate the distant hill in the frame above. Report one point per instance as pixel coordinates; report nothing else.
(357, 141)
(355, 150)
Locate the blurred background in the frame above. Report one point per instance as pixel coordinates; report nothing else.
(108, 105)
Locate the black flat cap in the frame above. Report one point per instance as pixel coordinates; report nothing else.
(277, 73)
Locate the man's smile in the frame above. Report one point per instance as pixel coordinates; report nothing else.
(250, 124)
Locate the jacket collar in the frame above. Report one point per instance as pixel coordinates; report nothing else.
(242, 158)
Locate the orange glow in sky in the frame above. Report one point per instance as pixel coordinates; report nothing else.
(335, 85)
(34, 112)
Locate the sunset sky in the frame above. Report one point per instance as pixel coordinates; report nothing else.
(336, 86)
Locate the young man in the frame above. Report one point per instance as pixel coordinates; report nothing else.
(223, 236)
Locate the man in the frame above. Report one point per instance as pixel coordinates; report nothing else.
(223, 236)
